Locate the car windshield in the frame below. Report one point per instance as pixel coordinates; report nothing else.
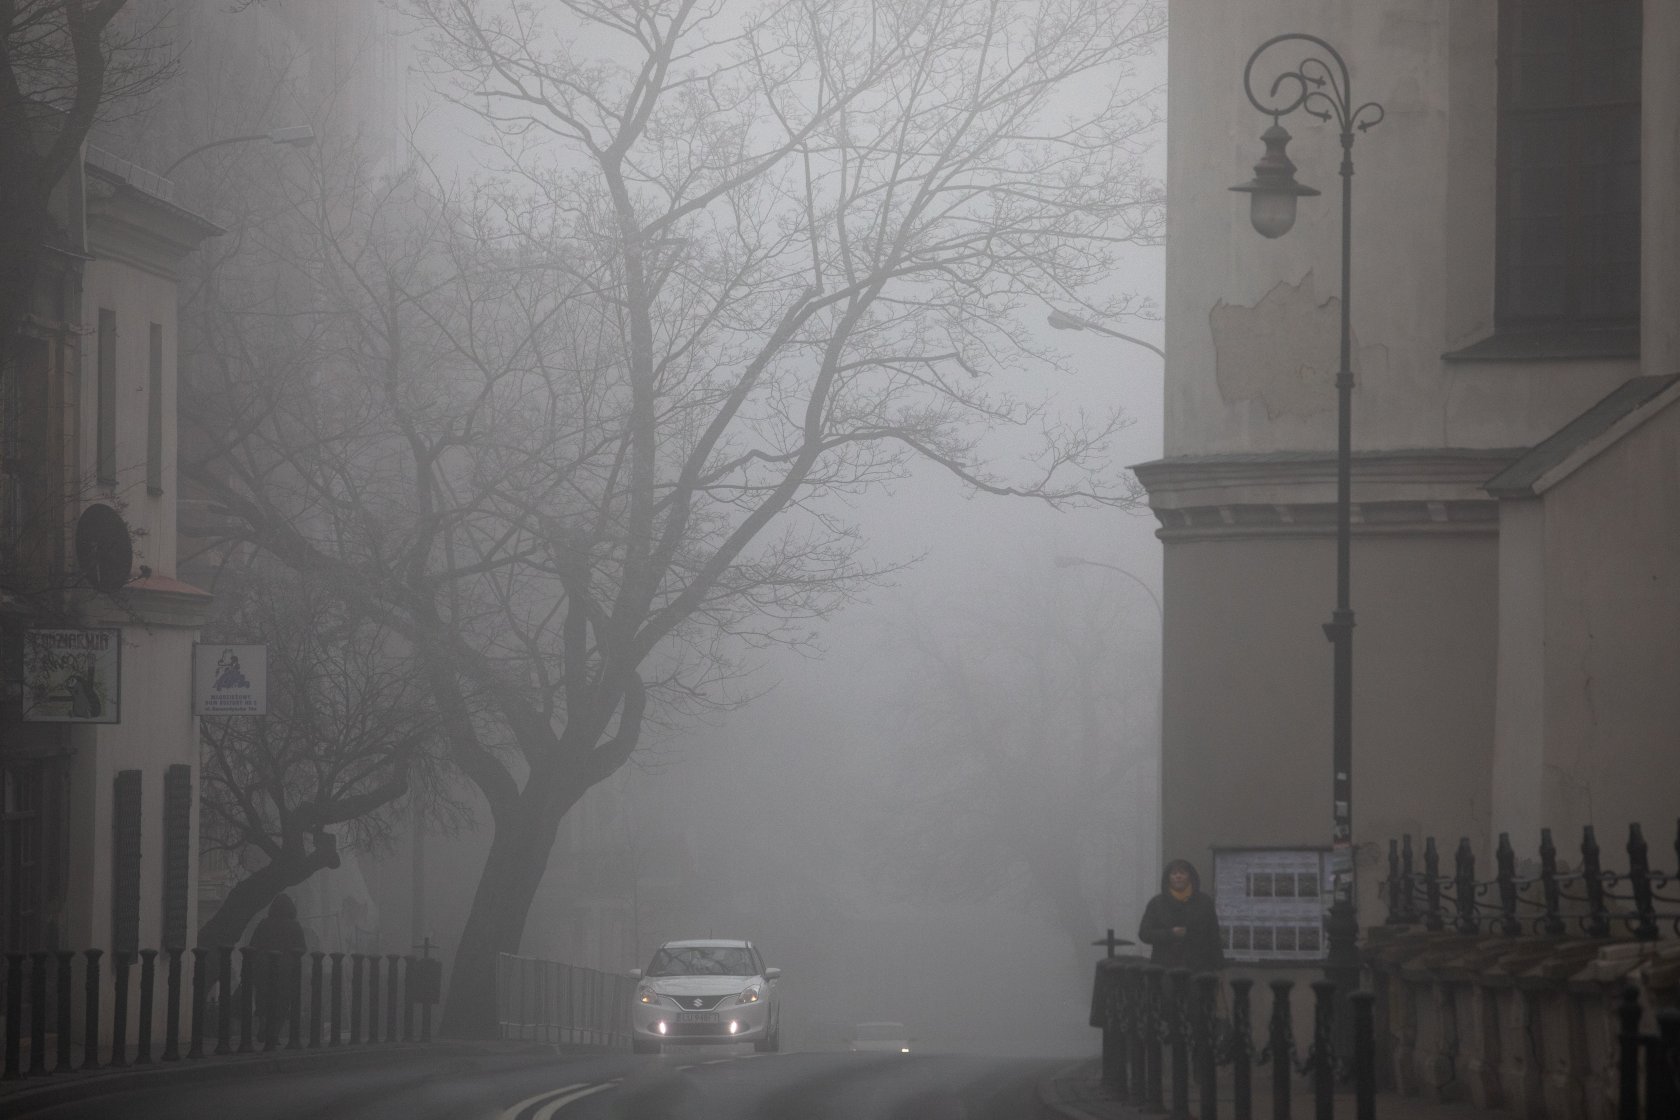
(702, 960)
(880, 1032)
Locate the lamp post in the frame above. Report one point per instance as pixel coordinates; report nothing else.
(1319, 85)
(296, 136)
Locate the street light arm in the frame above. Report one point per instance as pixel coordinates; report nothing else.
(1062, 321)
(296, 135)
(1075, 561)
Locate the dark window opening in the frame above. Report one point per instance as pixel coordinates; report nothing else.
(105, 406)
(1568, 232)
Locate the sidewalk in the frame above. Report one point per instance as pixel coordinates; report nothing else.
(27, 1094)
(1077, 1093)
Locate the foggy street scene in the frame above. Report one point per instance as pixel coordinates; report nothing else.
(840, 559)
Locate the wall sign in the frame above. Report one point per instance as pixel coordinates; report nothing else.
(1271, 902)
(230, 680)
(72, 676)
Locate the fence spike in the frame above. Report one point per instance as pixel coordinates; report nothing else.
(1432, 885)
(1639, 875)
(1552, 924)
(1464, 884)
(1598, 918)
(1408, 899)
(1628, 1012)
(148, 981)
(1281, 1046)
(1506, 857)
(14, 1016)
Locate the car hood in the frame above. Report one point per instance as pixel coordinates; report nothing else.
(701, 985)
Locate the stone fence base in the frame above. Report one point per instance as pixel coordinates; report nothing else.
(1526, 1025)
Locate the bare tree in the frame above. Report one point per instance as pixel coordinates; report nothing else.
(63, 65)
(590, 422)
(344, 743)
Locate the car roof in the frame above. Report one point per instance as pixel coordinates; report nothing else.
(709, 943)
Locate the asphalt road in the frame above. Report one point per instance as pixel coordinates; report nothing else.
(703, 1084)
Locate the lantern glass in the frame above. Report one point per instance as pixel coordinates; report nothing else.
(1272, 212)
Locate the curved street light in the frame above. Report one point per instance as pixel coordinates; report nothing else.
(296, 136)
(1320, 85)
(1080, 561)
(1062, 321)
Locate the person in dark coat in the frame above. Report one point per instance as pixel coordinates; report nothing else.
(1180, 923)
(279, 930)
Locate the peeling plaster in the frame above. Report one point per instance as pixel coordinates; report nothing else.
(1282, 352)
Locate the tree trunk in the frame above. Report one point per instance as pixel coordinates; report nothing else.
(252, 894)
(506, 887)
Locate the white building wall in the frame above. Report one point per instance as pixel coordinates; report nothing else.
(1551, 617)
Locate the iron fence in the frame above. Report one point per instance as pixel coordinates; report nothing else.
(547, 1001)
(1588, 899)
(306, 1003)
(1162, 1030)
(1648, 1076)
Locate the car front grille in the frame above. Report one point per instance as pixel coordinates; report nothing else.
(697, 1003)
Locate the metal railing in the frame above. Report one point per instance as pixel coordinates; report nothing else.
(1590, 899)
(547, 1001)
(1648, 1081)
(1161, 1029)
(282, 1001)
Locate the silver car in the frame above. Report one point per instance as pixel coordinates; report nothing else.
(705, 991)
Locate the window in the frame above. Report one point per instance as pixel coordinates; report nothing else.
(1568, 226)
(154, 413)
(105, 403)
(1271, 902)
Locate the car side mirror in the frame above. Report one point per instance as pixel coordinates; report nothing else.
(772, 973)
(635, 974)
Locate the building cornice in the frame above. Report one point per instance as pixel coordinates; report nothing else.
(1293, 493)
(148, 601)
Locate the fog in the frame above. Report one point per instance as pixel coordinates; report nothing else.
(827, 812)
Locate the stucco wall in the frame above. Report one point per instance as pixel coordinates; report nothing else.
(1253, 325)
(1248, 684)
(139, 299)
(1612, 641)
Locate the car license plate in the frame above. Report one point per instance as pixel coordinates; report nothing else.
(698, 1017)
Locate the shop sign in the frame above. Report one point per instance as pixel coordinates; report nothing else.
(230, 680)
(72, 676)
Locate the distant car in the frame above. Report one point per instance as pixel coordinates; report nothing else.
(705, 991)
(881, 1038)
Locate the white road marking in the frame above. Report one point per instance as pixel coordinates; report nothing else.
(547, 1111)
(515, 1112)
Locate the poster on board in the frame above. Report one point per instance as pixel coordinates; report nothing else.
(72, 676)
(230, 680)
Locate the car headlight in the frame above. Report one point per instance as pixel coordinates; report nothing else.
(751, 995)
(646, 994)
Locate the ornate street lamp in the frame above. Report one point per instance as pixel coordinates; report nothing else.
(1319, 85)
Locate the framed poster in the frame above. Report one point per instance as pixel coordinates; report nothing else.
(72, 676)
(230, 680)
(1271, 902)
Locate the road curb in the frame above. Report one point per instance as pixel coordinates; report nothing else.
(1063, 1093)
(32, 1094)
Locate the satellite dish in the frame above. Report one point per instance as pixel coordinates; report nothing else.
(104, 551)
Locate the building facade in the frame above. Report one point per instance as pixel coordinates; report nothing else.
(1516, 439)
(98, 744)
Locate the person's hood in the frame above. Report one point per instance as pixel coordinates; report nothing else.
(1195, 879)
(283, 908)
